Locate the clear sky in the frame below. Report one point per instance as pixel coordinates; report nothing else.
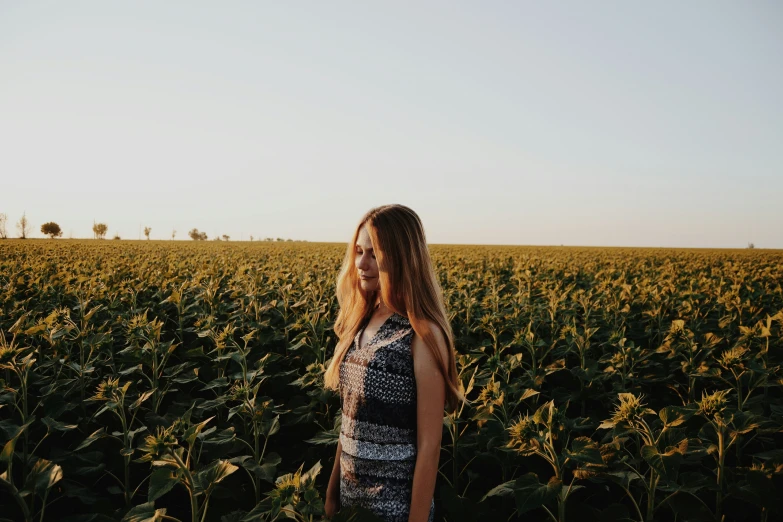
(547, 123)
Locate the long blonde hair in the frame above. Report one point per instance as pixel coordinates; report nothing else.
(408, 286)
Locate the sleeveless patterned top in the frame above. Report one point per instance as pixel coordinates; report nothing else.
(378, 432)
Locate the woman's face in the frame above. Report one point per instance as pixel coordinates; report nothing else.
(365, 262)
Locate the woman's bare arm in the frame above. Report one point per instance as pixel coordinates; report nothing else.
(333, 489)
(430, 403)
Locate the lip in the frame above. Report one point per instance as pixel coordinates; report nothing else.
(365, 277)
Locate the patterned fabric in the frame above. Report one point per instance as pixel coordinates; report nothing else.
(378, 432)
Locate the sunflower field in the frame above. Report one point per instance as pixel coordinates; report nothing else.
(152, 381)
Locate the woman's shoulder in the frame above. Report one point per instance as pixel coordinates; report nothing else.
(419, 347)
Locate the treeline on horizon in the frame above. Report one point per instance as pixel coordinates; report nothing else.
(53, 230)
(99, 230)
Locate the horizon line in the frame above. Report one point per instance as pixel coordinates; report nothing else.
(431, 244)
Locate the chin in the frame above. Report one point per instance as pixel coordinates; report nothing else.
(368, 287)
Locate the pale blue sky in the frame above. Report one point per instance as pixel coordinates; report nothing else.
(576, 123)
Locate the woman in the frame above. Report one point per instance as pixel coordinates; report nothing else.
(395, 369)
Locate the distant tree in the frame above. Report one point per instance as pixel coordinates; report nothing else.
(195, 235)
(147, 231)
(117, 237)
(226, 237)
(3, 232)
(751, 245)
(51, 229)
(173, 233)
(251, 238)
(268, 239)
(279, 239)
(23, 226)
(99, 230)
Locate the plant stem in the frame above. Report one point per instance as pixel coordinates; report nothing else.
(19, 500)
(43, 507)
(651, 495)
(206, 505)
(721, 457)
(561, 508)
(190, 485)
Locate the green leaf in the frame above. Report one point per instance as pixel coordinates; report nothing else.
(623, 478)
(758, 489)
(693, 481)
(206, 479)
(162, 481)
(133, 433)
(84, 463)
(667, 463)
(530, 392)
(186, 377)
(86, 495)
(269, 428)
(97, 434)
(311, 503)
(52, 424)
(506, 489)
(144, 513)
(8, 449)
(143, 397)
(220, 382)
(43, 475)
(675, 415)
(132, 369)
(775, 455)
(267, 472)
(744, 422)
(531, 494)
(8, 428)
(259, 512)
(225, 436)
(192, 432)
(329, 438)
(584, 450)
(309, 475)
(211, 404)
(544, 412)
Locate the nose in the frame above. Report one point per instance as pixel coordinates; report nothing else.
(362, 262)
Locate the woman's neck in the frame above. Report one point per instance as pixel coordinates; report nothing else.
(380, 306)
